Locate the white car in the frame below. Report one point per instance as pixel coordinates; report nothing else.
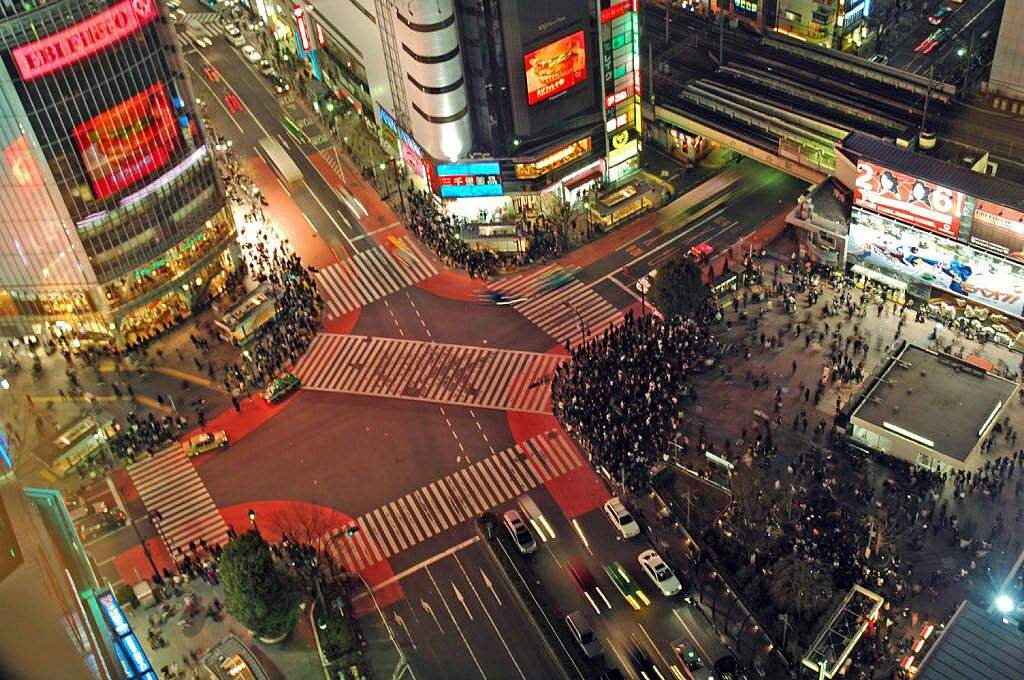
(661, 574)
(621, 518)
(250, 53)
(644, 283)
(519, 532)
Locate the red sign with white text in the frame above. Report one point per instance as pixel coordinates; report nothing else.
(127, 142)
(914, 201)
(616, 11)
(84, 39)
(555, 67)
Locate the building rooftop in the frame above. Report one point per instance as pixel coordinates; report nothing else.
(937, 398)
(942, 172)
(975, 645)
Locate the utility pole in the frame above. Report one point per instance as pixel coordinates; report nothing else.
(721, 39)
(650, 70)
(666, 25)
(967, 67)
(927, 97)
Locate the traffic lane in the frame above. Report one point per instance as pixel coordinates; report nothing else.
(459, 619)
(308, 453)
(966, 18)
(267, 107)
(328, 215)
(591, 540)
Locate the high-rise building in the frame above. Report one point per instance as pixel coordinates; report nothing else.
(113, 224)
(1007, 77)
(485, 102)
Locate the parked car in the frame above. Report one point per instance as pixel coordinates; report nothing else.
(621, 518)
(584, 635)
(279, 84)
(266, 68)
(701, 251)
(940, 15)
(660, 573)
(280, 387)
(250, 53)
(519, 532)
(206, 441)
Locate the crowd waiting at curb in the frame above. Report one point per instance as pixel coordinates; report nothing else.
(442, 233)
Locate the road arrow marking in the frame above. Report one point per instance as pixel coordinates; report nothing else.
(401, 622)
(462, 601)
(490, 586)
(430, 610)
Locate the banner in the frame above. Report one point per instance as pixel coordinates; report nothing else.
(914, 201)
(555, 67)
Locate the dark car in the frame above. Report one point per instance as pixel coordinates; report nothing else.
(279, 84)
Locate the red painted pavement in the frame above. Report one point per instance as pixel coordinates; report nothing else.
(238, 425)
(344, 323)
(454, 286)
(125, 488)
(287, 215)
(133, 566)
(299, 520)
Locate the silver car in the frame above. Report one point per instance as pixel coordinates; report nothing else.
(584, 635)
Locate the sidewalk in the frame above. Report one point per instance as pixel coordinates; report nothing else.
(295, 659)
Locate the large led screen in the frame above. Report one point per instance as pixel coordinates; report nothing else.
(999, 229)
(555, 67)
(127, 142)
(914, 201)
(917, 256)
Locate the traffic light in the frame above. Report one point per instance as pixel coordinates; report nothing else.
(351, 531)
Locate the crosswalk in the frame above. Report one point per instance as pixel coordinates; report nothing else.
(372, 275)
(573, 311)
(169, 484)
(453, 499)
(426, 371)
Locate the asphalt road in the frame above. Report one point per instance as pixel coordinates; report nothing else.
(365, 454)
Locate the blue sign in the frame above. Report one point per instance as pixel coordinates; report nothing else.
(133, 659)
(471, 190)
(453, 169)
(390, 121)
(5, 452)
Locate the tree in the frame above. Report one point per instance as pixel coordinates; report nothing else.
(257, 592)
(800, 586)
(678, 288)
(559, 214)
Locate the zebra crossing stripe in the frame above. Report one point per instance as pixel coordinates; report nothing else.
(372, 275)
(433, 372)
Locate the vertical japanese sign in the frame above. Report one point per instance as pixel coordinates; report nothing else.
(620, 69)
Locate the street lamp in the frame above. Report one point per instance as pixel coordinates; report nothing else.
(252, 519)
(1004, 603)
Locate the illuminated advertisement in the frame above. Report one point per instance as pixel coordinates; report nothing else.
(84, 39)
(469, 180)
(914, 201)
(999, 229)
(555, 67)
(23, 166)
(127, 142)
(919, 257)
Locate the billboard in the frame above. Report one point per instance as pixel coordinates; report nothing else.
(914, 201)
(556, 67)
(127, 142)
(84, 39)
(918, 257)
(999, 229)
(469, 180)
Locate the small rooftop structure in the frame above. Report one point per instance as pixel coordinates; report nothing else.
(230, 659)
(929, 409)
(976, 645)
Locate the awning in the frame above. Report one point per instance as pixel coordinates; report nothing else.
(589, 176)
(878, 276)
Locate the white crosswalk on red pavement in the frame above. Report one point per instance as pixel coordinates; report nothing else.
(572, 311)
(372, 275)
(453, 499)
(428, 371)
(169, 484)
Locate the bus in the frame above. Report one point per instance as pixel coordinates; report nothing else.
(238, 325)
(78, 444)
(281, 163)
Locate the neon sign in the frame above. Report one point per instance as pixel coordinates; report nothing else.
(84, 39)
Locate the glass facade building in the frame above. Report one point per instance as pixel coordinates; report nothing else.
(113, 222)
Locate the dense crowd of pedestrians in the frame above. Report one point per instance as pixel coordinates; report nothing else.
(621, 393)
(443, 234)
